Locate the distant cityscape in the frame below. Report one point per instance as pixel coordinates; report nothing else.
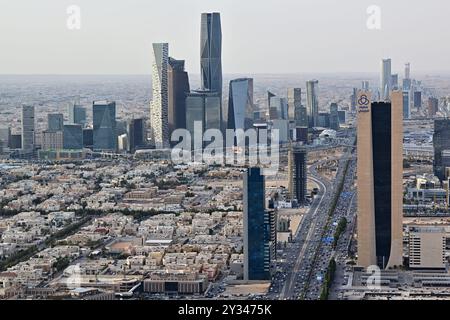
(94, 207)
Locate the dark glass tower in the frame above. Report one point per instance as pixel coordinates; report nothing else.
(381, 142)
(73, 136)
(380, 181)
(297, 174)
(178, 88)
(55, 121)
(135, 132)
(105, 126)
(259, 234)
(211, 52)
(441, 142)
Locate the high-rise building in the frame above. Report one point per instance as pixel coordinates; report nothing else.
(203, 107)
(297, 173)
(73, 136)
(394, 82)
(323, 120)
(441, 142)
(418, 99)
(136, 134)
(334, 117)
(211, 52)
(16, 141)
(105, 126)
(406, 105)
(386, 77)
(77, 114)
(52, 140)
(55, 121)
(28, 128)
(279, 106)
(406, 84)
(88, 138)
(365, 85)
(380, 181)
(301, 117)
(433, 106)
(407, 70)
(5, 136)
(240, 104)
(427, 247)
(159, 107)
(342, 116)
(353, 99)
(312, 102)
(259, 228)
(178, 84)
(294, 96)
(282, 126)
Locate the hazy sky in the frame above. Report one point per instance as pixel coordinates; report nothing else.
(259, 36)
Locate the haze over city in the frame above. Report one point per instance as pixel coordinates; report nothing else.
(269, 36)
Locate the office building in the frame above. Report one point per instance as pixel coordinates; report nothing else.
(433, 106)
(5, 137)
(88, 138)
(203, 107)
(16, 141)
(385, 80)
(418, 99)
(28, 128)
(427, 246)
(342, 114)
(178, 86)
(380, 181)
(278, 108)
(365, 85)
(334, 117)
(301, 134)
(105, 126)
(52, 140)
(301, 116)
(77, 114)
(407, 70)
(55, 122)
(312, 100)
(294, 97)
(240, 104)
(406, 105)
(297, 173)
(394, 82)
(282, 126)
(259, 228)
(441, 142)
(211, 53)
(323, 120)
(136, 134)
(407, 85)
(159, 107)
(73, 136)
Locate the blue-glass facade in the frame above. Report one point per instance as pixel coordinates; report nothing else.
(105, 126)
(73, 136)
(258, 228)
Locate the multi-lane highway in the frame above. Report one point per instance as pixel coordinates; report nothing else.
(305, 260)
